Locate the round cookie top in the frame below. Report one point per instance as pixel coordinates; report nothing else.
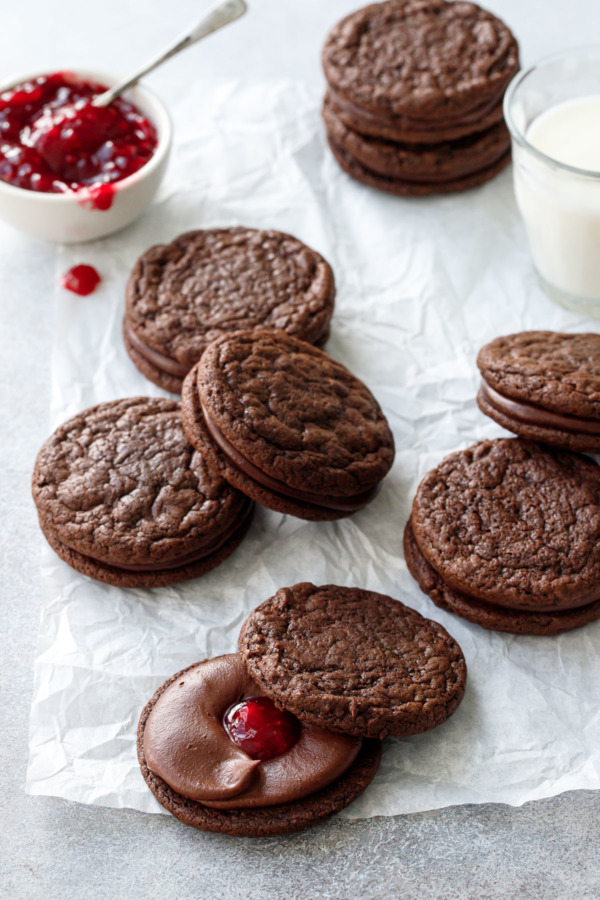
(420, 58)
(514, 523)
(353, 661)
(121, 483)
(294, 413)
(557, 372)
(183, 295)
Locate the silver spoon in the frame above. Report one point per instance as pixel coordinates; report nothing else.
(220, 16)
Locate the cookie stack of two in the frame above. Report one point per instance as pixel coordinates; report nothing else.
(506, 533)
(414, 99)
(147, 492)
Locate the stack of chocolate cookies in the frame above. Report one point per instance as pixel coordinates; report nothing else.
(414, 99)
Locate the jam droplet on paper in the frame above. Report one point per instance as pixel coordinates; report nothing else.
(257, 727)
(82, 280)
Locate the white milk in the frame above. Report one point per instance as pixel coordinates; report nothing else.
(561, 209)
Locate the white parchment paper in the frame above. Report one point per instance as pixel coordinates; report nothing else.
(422, 284)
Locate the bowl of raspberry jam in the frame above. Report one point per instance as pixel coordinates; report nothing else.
(71, 171)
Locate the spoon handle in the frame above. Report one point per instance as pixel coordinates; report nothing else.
(220, 16)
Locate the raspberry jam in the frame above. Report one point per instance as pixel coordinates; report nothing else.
(53, 140)
(257, 727)
(82, 280)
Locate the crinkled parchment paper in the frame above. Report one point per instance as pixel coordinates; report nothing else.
(421, 285)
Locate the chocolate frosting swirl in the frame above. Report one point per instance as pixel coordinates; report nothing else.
(187, 746)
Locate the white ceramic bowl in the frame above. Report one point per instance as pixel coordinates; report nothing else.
(66, 218)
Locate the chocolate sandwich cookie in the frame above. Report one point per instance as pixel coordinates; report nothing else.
(406, 188)
(413, 131)
(414, 102)
(420, 163)
(545, 386)
(183, 295)
(283, 734)
(287, 425)
(427, 60)
(124, 498)
(353, 661)
(506, 534)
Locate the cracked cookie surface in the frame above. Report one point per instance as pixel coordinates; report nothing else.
(513, 523)
(183, 295)
(557, 372)
(488, 615)
(294, 413)
(120, 484)
(353, 661)
(420, 57)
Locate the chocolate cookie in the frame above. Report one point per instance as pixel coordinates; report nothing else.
(426, 59)
(413, 131)
(420, 163)
(183, 295)
(186, 717)
(287, 425)
(508, 531)
(405, 188)
(545, 386)
(494, 618)
(123, 497)
(353, 661)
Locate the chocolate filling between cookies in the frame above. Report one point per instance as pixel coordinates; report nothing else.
(171, 366)
(433, 126)
(164, 363)
(530, 414)
(345, 504)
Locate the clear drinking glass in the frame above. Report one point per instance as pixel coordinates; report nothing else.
(559, 203)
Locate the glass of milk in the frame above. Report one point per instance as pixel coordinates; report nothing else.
(553, 113)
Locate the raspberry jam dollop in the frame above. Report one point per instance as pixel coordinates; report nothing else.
(257, 727)
(82, 280)
(53, 140)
